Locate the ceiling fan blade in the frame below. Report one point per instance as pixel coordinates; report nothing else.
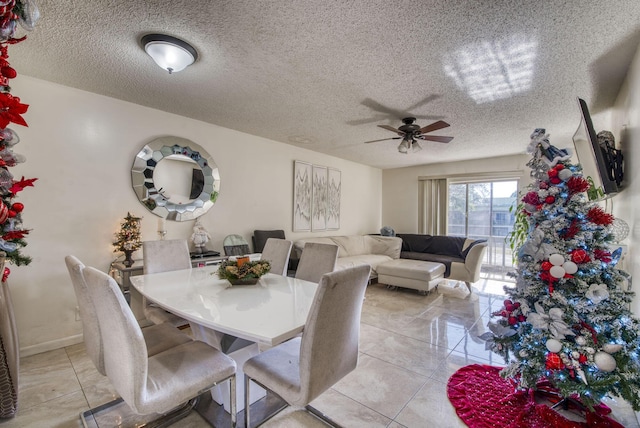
(435, 138)
(391, 128)
(434, 126)
(384, 139)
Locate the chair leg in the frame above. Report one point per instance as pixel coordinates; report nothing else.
(232, 400)
(247, 385)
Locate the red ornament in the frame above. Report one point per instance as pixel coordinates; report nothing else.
(546, 265)
(17, 207)
(531, 198)
(550, 199)
(559, 167)
(5, 274)
(579, 256)
(554, 362)
(512, 320)
(555, 180)
(582, 359)
(552, 173)
(12, 213)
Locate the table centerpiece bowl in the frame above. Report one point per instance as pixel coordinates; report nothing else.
(242, 271)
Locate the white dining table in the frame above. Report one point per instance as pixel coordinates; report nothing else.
(269, 312)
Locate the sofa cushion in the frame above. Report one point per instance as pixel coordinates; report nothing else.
(372, 260)
(412, 269)
(444, 245)
(428, 257)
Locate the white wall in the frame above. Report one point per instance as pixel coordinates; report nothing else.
(400, 186)
(625, 124)
(81, 146)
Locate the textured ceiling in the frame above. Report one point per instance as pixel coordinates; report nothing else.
(322, 74)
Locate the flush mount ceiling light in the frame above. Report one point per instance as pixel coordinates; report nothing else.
(168, 52)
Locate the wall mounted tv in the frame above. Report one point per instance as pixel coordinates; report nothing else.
(600, 162)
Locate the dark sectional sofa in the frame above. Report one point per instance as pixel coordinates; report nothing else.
(462, 257)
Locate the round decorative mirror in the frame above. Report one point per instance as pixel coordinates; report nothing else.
(175, 178)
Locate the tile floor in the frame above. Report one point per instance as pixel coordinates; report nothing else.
(410, 345)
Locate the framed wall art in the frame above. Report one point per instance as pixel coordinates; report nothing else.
(319, 198)
(302, 192)
(333, 199)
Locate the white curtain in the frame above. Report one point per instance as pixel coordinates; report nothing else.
(433, 206)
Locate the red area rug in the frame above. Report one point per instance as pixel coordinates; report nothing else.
(483, 399)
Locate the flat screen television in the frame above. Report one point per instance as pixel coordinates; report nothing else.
(602, 164)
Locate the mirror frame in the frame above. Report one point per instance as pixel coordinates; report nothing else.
(145, 189)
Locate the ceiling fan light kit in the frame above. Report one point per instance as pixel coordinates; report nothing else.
(410, 133)
(168, 52)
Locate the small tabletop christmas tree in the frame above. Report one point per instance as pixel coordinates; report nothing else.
(567, 320)
(128, 238)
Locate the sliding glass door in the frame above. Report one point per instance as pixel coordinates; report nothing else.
(480, 210)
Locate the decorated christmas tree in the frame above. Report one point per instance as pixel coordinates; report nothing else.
(567, 321)
(12, 231)
(127, 239)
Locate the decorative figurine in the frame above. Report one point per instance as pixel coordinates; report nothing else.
(200, 237)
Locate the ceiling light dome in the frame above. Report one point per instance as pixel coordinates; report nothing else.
(168, 52)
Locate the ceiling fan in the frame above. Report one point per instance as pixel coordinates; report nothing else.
(410, 133)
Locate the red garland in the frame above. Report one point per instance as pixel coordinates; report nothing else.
(597, 215)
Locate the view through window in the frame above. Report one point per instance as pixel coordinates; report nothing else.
(480, 210)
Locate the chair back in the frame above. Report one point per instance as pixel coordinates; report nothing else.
(90, 328)
(277, 252)
(316, 260)
(329, 349)
(235, 245)
(125, 352)
(260, 237)
(164, 256)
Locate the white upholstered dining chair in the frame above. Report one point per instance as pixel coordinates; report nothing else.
(157, 338)
(316, 260)
(277, 252)
(162, 256)
(302, 368)
(158, 383)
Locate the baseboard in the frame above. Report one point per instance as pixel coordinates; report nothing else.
(50, 346)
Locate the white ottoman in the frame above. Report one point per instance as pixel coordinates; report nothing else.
(408, 273)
